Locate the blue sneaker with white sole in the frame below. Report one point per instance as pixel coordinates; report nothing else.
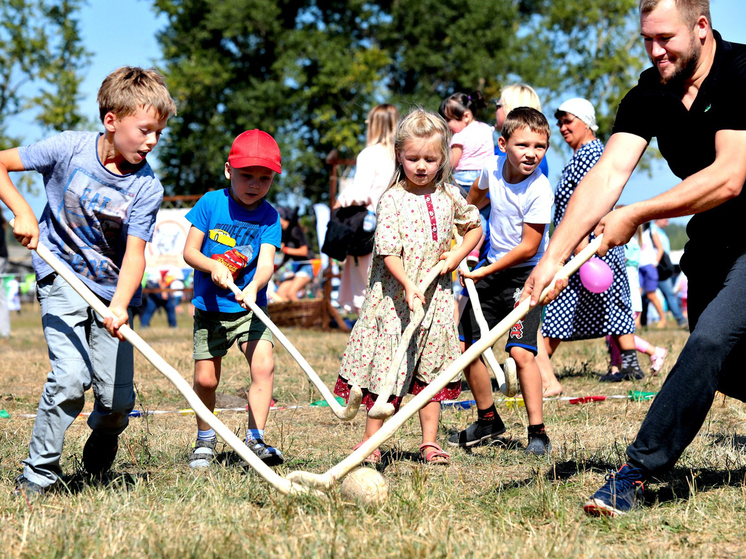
(621, 493)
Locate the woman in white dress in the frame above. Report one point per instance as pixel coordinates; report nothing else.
(374, 169)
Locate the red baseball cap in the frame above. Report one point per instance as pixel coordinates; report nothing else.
(255, 148)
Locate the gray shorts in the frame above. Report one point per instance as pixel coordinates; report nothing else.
(216, 332)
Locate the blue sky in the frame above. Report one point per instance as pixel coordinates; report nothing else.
(123, 33)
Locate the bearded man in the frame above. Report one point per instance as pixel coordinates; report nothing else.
(692, 101)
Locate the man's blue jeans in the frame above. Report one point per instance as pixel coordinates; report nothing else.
(666, 287)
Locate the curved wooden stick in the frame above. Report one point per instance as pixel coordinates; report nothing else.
(382, 409)
(506, 380)
(326, 480)
(356, 394)
(278, 482)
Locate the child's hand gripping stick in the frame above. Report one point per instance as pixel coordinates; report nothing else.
(382, 409)
(507, 380)
(356, 394)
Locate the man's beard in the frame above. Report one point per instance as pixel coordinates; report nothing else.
(685, 66)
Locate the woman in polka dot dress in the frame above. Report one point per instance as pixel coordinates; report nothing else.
(578, 314)
(416, 217)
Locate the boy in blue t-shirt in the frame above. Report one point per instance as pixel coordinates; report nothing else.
(102, 200)
(233, 238)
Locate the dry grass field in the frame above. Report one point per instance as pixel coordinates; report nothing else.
(492, 501)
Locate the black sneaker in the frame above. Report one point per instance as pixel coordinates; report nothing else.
(620, 494)
(269, 455)
(630, 373)
(99, 453)
(28, 489)
(538, 445)
(477, 433)
(203, 453)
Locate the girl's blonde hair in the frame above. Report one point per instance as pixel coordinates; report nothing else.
(381, 122)
(519, 95)
(424, 125)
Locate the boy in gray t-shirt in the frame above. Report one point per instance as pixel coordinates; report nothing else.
(102, 200)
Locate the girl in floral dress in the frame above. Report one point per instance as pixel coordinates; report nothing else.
(416, 216)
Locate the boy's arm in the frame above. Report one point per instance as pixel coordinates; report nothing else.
(290, 251)
(265, 267)
(525, 250)
(130, 278)
(25, 226)
(194, 257)
(476, 195)
(454, 257)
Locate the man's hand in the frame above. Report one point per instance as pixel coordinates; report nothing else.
(540, 278)
(617, 228)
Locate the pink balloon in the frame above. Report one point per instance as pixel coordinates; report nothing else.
(595, 275)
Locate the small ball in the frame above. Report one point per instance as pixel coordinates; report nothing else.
(596, 275)
(366, 487)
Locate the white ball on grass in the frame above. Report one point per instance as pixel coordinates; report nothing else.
(366, 487)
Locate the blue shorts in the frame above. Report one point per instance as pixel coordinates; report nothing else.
(648, 278)
(302, 269)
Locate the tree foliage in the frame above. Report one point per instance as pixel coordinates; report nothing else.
(308, 71)
(40, 51)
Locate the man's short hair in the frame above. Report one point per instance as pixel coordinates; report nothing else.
(128, 89)
(525, 117)
(689, 10)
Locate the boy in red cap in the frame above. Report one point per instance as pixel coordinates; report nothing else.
(234, 235)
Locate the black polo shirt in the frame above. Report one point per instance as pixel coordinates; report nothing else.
(686, 138)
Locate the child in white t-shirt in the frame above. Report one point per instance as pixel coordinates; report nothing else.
(521, 199)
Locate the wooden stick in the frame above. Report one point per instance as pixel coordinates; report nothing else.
(276, 481)
(356, 394)
(506, 380)
(326, 480)
(382, 409)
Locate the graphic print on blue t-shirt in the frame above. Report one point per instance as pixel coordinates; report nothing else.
(234, 236)
(93, 212)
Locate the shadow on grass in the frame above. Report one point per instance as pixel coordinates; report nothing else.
(76, 483)
(677, 484)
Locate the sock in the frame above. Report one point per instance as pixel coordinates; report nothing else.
(488, 415)
(641, 345)
(615, 357)
(629, 359)
(534, 430)
(205, 435)
(254, 435)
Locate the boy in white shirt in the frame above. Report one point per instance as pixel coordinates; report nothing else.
(521, 201)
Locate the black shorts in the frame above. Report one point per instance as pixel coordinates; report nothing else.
(498, 295)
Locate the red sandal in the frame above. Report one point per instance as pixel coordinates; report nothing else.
(436, 456)
(373, 458)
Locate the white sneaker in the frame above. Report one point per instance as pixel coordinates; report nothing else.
(657, 359)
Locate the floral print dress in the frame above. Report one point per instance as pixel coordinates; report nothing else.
(418, 228)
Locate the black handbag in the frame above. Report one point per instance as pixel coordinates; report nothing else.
(665, 267)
